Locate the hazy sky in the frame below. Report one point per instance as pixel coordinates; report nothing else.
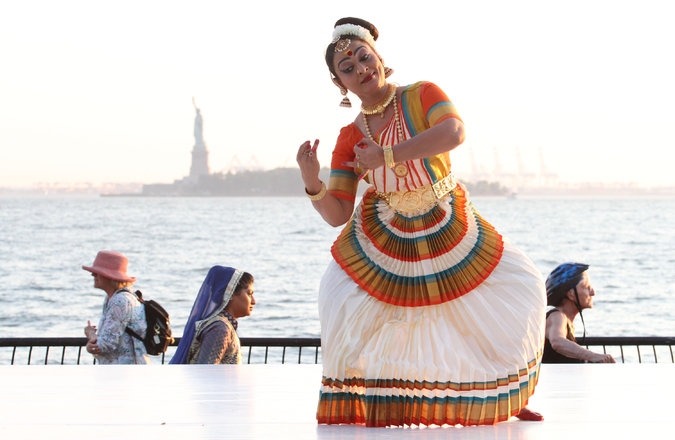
(101, 91)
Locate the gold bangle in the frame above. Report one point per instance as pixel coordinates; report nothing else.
(320, 195)
(388, 157)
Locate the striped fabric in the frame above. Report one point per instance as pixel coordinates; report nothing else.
(343, 181)
(398, 402)
(425, 105)
(427, 317)
(423, 260)
(422, 105)
(418, 261)
(471, 361)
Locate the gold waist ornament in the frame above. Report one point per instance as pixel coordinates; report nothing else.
(419, 199)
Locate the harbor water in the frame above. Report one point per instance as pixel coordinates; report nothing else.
(172, 242)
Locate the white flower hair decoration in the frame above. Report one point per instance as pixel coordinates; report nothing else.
(355, 30)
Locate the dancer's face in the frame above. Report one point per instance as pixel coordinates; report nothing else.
(359, 68)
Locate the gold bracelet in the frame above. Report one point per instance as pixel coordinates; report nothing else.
(388, 157)
(320, 195)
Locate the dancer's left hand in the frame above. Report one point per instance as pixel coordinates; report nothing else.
(367, 155)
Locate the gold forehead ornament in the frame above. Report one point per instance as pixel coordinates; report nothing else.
(343, 45)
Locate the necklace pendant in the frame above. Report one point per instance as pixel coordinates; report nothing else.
(401, 170)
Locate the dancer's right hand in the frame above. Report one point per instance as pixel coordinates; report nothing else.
(309, 166)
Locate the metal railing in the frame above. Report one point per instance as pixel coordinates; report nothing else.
(65, 351)
(664, 344)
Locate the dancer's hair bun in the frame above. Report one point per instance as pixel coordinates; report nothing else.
(359, 22)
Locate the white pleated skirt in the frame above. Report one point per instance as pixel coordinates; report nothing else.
(472, 360)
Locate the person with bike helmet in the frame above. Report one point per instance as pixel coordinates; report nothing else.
(569, 291)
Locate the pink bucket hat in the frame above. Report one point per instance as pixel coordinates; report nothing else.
(111, 265)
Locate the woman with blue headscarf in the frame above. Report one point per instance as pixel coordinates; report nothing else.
(569, 291)
(210, 335)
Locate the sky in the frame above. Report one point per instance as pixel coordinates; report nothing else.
(102, 91)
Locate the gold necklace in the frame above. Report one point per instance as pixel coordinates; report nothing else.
(381, 106)
(400, 169)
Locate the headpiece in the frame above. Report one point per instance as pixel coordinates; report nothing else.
(351, 29)
(213, 296)
(562, 279)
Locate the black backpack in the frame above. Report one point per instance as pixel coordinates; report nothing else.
(158, 335)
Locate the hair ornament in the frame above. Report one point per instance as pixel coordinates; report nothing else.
(343, 45)
(356, 31)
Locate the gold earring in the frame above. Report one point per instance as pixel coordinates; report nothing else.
(388, 71)
(345, 101)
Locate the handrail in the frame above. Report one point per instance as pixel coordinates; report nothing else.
(664, 343)
(80, 342)
(636, 341)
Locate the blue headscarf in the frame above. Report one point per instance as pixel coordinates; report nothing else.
(213, 296)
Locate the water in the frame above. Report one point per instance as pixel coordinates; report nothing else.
(172, 242)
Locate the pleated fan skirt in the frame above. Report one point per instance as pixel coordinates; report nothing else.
(471, 360)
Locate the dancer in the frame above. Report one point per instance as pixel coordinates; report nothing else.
(110, 343)
(427, 315)
(569, 291)
(210, 335)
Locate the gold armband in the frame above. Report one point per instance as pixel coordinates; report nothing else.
(320, 195)
(388, 157)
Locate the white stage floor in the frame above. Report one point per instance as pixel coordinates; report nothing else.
(279, 401)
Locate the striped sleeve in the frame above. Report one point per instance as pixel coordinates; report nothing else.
(343, 180)
(436, 105)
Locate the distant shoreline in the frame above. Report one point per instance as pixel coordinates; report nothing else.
(669, 193)
(286, 182)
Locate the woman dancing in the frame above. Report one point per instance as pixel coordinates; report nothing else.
(427, 315)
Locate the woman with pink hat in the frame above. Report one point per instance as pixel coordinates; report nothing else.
(110, 343)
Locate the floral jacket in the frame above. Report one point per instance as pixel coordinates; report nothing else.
(120, 311)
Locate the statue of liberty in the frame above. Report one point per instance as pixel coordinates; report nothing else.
(200, 155)
(199, 125)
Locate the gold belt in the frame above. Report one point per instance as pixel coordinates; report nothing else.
(422, 198)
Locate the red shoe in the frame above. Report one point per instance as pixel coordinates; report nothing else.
(529, 415)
